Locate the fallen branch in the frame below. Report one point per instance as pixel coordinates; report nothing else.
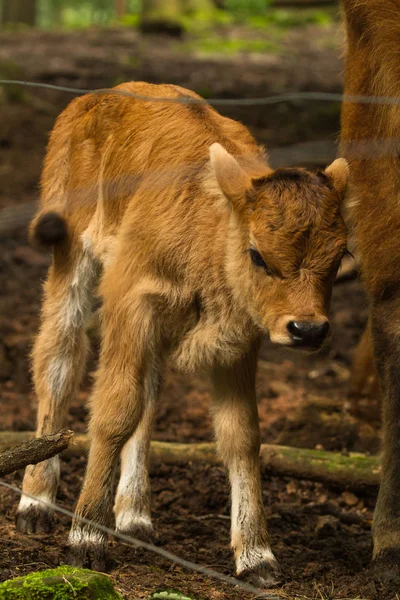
(30, 452)
(355, 471)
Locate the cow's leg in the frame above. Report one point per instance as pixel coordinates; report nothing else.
(59, 358)
(363, 380)
(117, 409)
(132, 503)
(385, 319)
(238, 438)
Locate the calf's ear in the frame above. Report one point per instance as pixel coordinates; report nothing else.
(338, 171)
(232, 179)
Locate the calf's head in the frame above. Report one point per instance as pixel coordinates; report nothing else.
(285, 243)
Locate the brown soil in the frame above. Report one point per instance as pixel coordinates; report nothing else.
(320, 535)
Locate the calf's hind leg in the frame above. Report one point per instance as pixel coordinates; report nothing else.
(238, 438)
(132, 504)
(59, 357)
(117, 409)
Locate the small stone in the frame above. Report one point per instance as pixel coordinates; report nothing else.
(326, 526)
(314, 374)
(170, 595)
(322, 499)
(349, 499)
(291, 487)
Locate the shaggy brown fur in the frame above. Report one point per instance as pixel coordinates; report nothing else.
(370, 140)
(199, 248)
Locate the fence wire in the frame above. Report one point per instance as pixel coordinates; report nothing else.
(314, 152)
(137, 543)
(262, 101)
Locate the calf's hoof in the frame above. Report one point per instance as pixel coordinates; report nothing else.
(259, 568)
(140, 528)
(87, 549)
(34, 518)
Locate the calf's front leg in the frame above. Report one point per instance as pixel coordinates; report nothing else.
(238, 438)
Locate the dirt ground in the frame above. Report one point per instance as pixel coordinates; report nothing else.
(302, 399)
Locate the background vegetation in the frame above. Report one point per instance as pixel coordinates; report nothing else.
(172, 15)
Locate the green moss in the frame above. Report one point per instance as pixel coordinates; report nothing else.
(62, 583)
(219, 45)
(201, 22)
(170, 595)
(288, 18)
(130, 20)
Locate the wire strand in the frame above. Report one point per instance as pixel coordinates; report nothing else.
(276, 99)
(211, 573)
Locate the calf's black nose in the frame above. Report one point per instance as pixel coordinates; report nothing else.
(307, 333)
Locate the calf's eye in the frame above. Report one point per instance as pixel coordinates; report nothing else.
(258, 260)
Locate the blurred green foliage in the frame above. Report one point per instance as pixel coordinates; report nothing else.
(247, 8)
(252, 13)
(81, 13)
(214, 44)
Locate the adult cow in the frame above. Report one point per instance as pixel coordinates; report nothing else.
(370, 140)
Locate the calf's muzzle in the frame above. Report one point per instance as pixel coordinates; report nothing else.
(308, 333)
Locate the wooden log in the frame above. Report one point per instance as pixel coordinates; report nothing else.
(354, 471)
(31, 451)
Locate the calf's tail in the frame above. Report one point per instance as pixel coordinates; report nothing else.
(48, 229)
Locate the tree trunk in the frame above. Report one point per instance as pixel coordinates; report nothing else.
(120, 8)
(19, 11)
(356, 471)
(161, 16)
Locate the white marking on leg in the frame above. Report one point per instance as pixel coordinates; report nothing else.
(132, 505)
(73, 315)
(127, 520)
(26, 502)
(80, 535)
(79, 302)
(246, 528)
(254, 558)
(50, 476)
(60, 372)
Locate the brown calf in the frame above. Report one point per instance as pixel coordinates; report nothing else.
(370, 140)
(199, 248)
